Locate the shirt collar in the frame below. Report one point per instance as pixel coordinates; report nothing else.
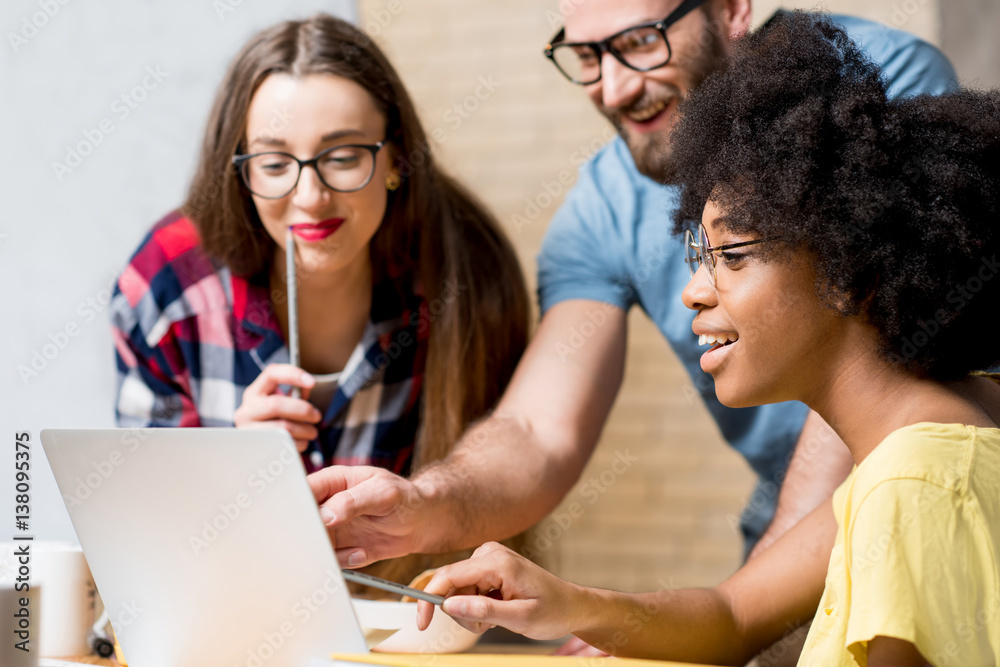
(397, 305)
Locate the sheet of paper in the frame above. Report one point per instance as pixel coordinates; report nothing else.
(484, 660)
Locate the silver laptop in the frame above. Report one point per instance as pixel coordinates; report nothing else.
(206, 546)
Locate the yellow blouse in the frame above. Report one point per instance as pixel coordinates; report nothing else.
(916, 555)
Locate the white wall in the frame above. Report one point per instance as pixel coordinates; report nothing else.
(64, 236)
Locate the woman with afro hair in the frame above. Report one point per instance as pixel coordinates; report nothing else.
(843, 253)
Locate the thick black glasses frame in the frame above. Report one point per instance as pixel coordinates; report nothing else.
(604, 46)
(238, 161)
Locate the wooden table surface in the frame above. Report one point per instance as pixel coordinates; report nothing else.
(505, 648)
(497, 640)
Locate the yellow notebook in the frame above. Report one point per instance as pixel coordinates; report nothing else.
(484, 660)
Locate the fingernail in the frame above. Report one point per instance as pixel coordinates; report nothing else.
(327, 515)
(308, 379)
(357, 558)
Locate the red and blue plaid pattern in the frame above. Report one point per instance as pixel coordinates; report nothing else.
(190, 336)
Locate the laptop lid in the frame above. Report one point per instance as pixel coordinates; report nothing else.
(205, 544)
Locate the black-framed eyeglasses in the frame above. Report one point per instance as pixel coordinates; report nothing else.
(699, 252)
(275, 174)
(642, 47)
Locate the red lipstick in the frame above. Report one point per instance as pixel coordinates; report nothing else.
(310, 232)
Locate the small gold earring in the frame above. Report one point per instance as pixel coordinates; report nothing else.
(392, 181)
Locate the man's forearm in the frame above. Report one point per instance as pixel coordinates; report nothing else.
(501, 479)
(509, 470)
(820, 462)
(514, 467)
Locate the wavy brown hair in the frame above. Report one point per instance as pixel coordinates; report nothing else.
(433, 229)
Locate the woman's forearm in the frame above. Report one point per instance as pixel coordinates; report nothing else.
(690, 625)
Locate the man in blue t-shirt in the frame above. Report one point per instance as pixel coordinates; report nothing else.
(611, 243)
(608, 248)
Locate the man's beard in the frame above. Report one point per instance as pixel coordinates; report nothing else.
(651, 151)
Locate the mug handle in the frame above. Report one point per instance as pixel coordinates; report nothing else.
(101, 639)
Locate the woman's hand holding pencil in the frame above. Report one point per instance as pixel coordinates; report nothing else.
(265, 406)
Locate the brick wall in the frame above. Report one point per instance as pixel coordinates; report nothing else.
(968, 36)
(513, 129)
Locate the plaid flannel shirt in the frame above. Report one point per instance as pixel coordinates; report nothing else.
(190, 336)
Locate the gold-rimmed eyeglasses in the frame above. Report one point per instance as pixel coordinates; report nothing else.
(700, 252)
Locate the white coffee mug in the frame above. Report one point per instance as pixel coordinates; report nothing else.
(68, 599)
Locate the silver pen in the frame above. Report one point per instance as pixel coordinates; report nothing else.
(390, 586)
(293, 305)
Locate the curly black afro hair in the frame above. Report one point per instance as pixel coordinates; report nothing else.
(896, 200)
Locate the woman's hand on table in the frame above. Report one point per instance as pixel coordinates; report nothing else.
(264, 406)
(497, 586)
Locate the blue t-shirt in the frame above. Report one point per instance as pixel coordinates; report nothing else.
(611, 241)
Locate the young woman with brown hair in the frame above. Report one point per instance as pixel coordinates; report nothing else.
(412, 306)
